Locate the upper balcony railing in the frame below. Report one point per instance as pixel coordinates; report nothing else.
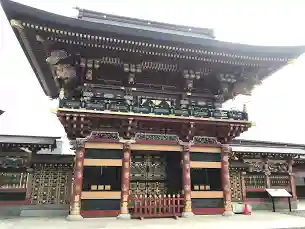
(151, 107)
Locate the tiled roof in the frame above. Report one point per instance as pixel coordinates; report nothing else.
(63, 147)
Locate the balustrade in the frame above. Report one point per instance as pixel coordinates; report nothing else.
(255, 181)
(149, 107)
(13, 180)
(281, 181)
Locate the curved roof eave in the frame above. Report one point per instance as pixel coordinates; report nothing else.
(14, 10)
(39, 67)
(19, 139)
(264, 149)
(249, 142)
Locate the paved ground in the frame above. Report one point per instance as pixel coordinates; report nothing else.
(301, 204)
(258, 220)
(300, 212)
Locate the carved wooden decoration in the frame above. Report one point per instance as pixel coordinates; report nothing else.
(64, 72)
(278, 167)
(236, 185)
(255, 165)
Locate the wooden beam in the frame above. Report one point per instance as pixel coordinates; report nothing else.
(176, 148)
(99, 145)
(203, 164)
(207, 149)
(101, 195)
(206, 194)
(102, 162)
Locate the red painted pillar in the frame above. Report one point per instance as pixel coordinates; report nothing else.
(186, 168)
(291, 178)
(225, 178)
(77, 186)
(124, 213)
(266, 171)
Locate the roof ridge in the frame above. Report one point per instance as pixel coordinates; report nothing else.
(84, 14)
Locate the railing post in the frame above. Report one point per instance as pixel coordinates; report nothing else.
(169, 199)
(178, 204)
(225, 178)
(187, 212)
(77, 185)
(124, 213)
(164, 205)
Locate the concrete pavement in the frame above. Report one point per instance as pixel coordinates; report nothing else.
(259, 220)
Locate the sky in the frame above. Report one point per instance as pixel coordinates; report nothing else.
(274, 106)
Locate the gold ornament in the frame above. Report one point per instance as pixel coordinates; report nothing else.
(126, 165)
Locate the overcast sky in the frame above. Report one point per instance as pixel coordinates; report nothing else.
(276, 106)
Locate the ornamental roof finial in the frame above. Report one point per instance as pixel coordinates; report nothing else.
(245, 107)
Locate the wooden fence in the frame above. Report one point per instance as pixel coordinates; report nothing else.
(156, 206)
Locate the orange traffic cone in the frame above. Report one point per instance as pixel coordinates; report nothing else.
(247, 210)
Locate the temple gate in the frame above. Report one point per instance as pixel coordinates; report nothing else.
(126, 85)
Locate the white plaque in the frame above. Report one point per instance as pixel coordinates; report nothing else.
(278, 192)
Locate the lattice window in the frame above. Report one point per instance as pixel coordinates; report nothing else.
(51, 184)
(236, 186)
(148, 175)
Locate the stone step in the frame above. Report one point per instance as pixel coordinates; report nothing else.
(45, 207)
(9, 211)
(43, 212)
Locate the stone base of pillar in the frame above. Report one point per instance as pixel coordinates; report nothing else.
(74, 218)
(123, 216)
(187, 214)
(228, 213)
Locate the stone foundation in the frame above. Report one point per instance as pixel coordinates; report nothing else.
(267, 205)
(34, 210)
(279, 205)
